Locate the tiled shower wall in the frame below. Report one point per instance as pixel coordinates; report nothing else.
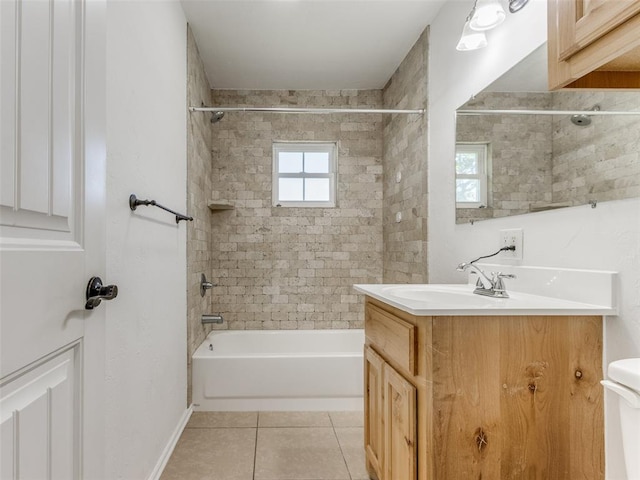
(293, 268)
(405, 170)
(199, 232)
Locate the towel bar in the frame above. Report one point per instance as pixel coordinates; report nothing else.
(134, 203)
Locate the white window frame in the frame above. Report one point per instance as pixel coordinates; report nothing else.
(482, 151)
(330, 147)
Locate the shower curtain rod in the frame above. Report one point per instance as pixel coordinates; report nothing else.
(591, 113)
(304, 110)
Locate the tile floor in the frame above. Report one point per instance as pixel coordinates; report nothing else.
(270, 446)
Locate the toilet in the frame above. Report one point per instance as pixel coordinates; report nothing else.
(624, 380)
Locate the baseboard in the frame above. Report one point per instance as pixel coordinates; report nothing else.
(171, 444)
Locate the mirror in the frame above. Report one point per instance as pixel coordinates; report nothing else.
(511, 164)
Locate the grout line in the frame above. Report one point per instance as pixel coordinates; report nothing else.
(255, 448)
(341, 451)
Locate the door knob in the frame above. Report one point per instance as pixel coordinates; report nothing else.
(96, 292)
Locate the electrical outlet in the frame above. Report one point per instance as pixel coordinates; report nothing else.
(512, 237)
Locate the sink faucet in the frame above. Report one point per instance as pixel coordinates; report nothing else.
(490, 287)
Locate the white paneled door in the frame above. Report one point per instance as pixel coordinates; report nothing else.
(52, 200)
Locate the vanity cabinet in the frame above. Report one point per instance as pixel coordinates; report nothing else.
(391, 423)
(594, 43)
(395, 393)
(496, 397)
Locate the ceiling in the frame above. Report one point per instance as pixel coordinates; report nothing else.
(305, 44)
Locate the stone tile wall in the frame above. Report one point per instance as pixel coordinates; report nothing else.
(405, 154)
(600, 161)
(293, 268)
(520, 153)
(199, 232)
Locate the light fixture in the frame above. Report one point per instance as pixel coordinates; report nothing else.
(516, 5)
(486, 14)
(470, 39)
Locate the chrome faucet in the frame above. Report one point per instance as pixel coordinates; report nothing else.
(211, 318)
(490, 287)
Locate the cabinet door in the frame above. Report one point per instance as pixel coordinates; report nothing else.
(373, 413)
(594, 43)
(399, 399)
(595, 18)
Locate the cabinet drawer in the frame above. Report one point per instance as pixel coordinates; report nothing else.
(392, 336)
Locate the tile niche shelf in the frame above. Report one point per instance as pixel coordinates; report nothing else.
(219, 205)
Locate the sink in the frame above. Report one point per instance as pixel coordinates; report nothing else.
(444, 296)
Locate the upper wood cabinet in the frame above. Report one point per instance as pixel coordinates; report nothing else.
(594, 44)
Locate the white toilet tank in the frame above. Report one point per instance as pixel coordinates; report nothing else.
(624, 379)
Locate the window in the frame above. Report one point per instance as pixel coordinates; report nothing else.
(304, 174)
(471, 175)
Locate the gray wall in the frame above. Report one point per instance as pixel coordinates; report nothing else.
(293, 268)
(199, 168)
(405, 153)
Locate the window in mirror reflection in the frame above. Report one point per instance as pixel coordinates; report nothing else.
(471, 175)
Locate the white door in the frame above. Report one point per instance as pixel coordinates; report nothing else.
(52, 200)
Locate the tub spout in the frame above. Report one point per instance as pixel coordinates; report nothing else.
(208, 318)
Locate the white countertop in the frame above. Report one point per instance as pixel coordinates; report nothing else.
(459, 299)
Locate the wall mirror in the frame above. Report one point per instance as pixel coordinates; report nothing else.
(561, 149)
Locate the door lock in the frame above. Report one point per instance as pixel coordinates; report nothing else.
(96, 292)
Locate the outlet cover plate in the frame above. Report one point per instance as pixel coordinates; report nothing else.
(510, 237)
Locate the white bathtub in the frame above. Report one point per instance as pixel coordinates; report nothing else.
(290, 370)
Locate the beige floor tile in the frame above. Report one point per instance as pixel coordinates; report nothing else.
(299, 454)
(293, 419)
(351, 441)
(347, 419)
(223, 420)
(213, 454)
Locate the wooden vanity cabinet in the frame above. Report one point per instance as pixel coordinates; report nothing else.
(391, 424)
(594, 44)
(453, 397)
(396, 393)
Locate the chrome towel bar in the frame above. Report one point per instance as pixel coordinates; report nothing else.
(134, 203)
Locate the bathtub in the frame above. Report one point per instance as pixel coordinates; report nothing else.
(279, 370)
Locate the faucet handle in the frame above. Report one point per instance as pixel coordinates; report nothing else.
(498, 284)
(205, 285)
(503, 275)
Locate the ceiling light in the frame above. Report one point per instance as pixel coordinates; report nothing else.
(470, 39)
(486, 14)
(516, 5)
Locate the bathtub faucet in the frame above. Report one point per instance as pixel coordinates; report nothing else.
(209, 318)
